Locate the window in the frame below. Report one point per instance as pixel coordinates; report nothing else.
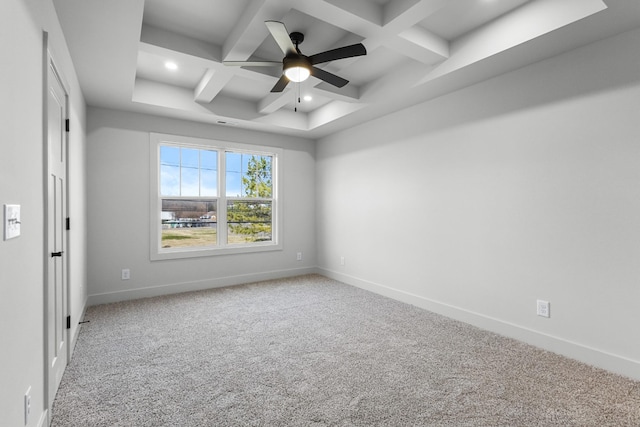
(210, 197)
(249, 190)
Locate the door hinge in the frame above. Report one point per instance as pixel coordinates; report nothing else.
(68, 322)
(68, 225)
(66, 125)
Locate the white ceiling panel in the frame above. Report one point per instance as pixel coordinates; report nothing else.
(206, 20)
(153, 67)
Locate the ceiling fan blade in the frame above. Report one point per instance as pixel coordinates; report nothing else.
(281, 84)
(253, 63)
(281, 36)
(339, 53)
(328, 77)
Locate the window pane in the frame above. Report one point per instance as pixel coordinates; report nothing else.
(208, 159)
(169, 171)
(257, 177)
(208, 173)
(234, 174)
(248, 175)
(249, 221)
(169, 180)
(190, 184)
(233, 161)
(208, 183)
(190, 158)
(189, 223)
(169, 155)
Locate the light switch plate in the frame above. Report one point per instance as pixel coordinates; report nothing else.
(11, 221)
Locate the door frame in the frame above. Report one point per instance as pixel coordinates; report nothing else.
(50, 61)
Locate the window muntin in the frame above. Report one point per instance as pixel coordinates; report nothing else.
(212, 197)
(188, 171)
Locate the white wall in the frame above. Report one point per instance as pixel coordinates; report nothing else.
(523, 187)
(118, 181)
(21, 182)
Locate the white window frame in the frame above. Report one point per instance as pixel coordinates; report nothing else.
(222, 248)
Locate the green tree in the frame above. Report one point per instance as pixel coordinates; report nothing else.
(252, 218)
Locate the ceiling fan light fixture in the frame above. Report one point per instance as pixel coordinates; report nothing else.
(297, 74)
(297, 69)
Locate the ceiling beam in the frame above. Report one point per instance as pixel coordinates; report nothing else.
(332, 111)
(403, 14)
(365, 9)
(398, 32)
(274, 101)
(250, 30)
(401, 32)
(211, 84)
(326, 11)
(348, 93)
(426, 40)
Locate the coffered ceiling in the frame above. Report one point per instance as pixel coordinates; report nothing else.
(416, 50)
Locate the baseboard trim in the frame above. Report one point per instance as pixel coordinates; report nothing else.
(591, 356)
(44, 419)
(175, 288)
(74, 337)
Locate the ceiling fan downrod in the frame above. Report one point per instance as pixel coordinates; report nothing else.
(297, 38)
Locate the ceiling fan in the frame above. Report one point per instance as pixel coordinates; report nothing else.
(297, 67)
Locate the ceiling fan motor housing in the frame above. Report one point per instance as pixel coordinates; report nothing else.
(291, 61)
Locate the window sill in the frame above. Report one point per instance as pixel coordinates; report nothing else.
(182, 253)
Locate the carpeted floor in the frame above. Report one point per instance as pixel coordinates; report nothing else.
(310, 351)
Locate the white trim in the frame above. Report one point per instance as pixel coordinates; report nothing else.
(155, 254)
(44, 419)
(74, 338)
(589, 355)
(198, 285)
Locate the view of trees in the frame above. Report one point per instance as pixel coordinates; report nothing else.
(252, 218)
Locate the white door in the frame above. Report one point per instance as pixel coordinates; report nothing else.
(56, 286)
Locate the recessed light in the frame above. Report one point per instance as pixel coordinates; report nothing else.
(171, 65)
(308, 98)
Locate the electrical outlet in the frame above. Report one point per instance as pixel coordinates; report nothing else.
(341, 260)
(126, 274)
(27, 405)
(299, 256)
(543, 308)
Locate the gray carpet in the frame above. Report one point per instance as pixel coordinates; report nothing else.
(310, 351)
